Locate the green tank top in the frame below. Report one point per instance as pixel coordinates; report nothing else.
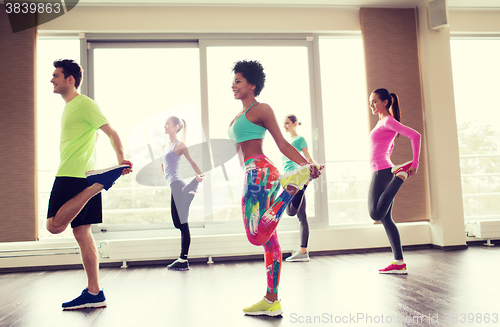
(243, 130)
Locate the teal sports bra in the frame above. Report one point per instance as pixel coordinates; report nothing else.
(243, 130)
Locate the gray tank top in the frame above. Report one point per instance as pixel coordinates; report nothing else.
(171, 164)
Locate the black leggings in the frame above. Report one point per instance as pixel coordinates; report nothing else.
(297, 206)
(383, 189)
(179, 206)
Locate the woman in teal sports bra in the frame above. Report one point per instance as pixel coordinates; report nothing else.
(262, 205)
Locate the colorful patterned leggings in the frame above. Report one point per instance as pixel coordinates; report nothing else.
(262, 210)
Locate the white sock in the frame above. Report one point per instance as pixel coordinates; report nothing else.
(182, 260)
(94, 294)
(265, 298)
(399, 262)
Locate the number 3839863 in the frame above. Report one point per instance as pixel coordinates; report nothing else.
(33, 7)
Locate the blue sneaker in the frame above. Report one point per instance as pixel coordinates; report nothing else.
(105, 177)
(86, 300)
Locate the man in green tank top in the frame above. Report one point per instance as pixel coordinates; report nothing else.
(75, 199)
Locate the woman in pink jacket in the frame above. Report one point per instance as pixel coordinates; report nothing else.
(387, 178)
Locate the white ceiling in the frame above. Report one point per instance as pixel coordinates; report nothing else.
(343, 3)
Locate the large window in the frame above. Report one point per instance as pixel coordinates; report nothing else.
(475, 79)
(346, 127)
(139, 84)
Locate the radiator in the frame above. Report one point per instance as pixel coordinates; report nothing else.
(484, 229)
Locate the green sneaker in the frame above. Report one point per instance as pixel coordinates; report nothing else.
(264, 308)
(297, 177)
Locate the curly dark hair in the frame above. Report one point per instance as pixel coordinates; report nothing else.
(70, 68)
(253, 73)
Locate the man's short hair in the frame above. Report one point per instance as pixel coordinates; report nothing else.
(70, 68)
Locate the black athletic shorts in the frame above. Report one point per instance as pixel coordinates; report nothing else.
(64, 189)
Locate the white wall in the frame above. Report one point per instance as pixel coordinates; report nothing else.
(208, 19)
(440, 128)
(475, 21)
(447, 223)
(241, 19)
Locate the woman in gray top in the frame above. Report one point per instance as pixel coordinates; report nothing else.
(182, 194)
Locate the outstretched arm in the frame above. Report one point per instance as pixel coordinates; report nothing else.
(271, 124)
(184, 151)
(307, 155)
(116, 142)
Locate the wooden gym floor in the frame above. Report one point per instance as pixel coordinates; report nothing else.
(443, 288)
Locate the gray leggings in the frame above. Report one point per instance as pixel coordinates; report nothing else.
(179, 204)
(297, 206)
(383, 189)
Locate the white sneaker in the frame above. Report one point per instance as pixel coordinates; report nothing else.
(298, 256)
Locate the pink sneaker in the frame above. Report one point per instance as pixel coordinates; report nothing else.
(402, 170)
(393, 268)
